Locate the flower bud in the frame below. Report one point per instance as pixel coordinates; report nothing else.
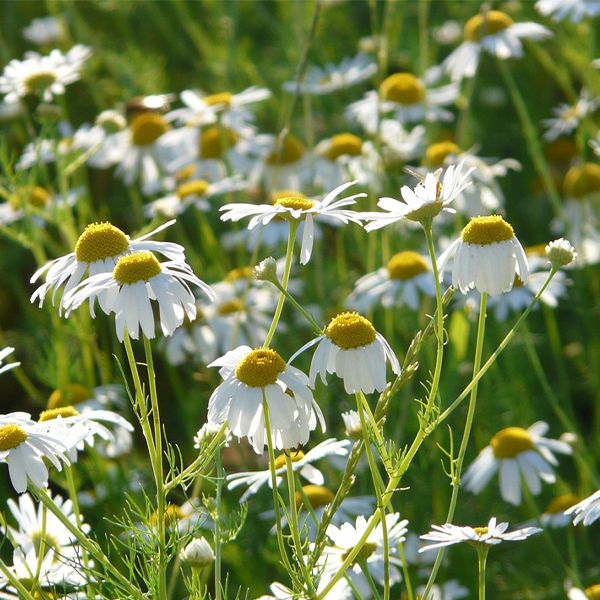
(198, 554)
(266, 270)
(560, 253)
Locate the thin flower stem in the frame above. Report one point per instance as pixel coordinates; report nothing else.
(42, 547)
(482, 552)
(284, 283)
(365, 569)
(371, 417)
(465, 438)
(316, 328)
(217, 520)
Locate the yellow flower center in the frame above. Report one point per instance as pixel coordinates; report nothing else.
(147, 127)
(292, 152)
(536, 250)
(198, 187)
(406, 265)
(350, 330)
(510, 442)
(317, 495)
(11, 436)
(38, 82)
(260, 367)
(239, 273)
(582, 180)
(53, 413)
(215, 141)
(436, 154)
(561, 503)
(50, 543)
(593, 592)
(100, 241)
(344, 144)
(35, 196)
(185, 173)
(173, 513)
(403, 88)
(139, 266)
(221, 98)
(479, 26)
(480, 530)
(74, 394)
(367, 549)
(231, 306)
(487, 230)
(295, 202)
(295, 455)
(518, 282)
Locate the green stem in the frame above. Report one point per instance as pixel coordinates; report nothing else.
(286, 277)
(217, 520)
(482, 552)
(316, 328)
(14, 581)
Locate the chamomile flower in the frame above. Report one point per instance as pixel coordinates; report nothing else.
(570, 10)
(487, 256)
(137, 279)
(23, 445)
(352, 424)
(567, 117)
(516, 453)
(587, 511)
(492, 534)
(400, 283)
(330, 78)
(554, 515)
(253, 376)
(302, 463)
(299, 209)
(45, 30)
(589, 593)
(44, 75)
(371, 556)
(493, 32)
(425, 201)
(97, 250)
(351, 348)
(8, 366)
(399, 144)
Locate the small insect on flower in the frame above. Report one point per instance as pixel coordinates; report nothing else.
(352, 349)
(487, 256)
(252, 378)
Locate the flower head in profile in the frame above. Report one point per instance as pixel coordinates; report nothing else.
(516, 454)
(297, 208)
(252, 378)
(351, 348)
(569, 10)
(495, 33)
(3, 354)
(587, 511)
(137, 279)
(567, 117)
(492, 534)
(432, 195)
(487, 257)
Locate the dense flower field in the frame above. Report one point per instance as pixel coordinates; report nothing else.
(299, 299)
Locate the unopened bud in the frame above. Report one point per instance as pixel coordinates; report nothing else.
(207, 433)
(198, 554)
(266, 270)
(560, 253)
(352, 424)
(111, 121)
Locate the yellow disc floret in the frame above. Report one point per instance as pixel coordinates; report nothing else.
(350, 330)
(291, 152)
(197, 187)
(215, 141)
(406, 265)
(260, 367)
(230, 307)
(221, 98)
(11, 436)
(403, 88)
(239, 273)
(480, 530)
(295, 202)
(363, 554)
(436, 154)
(39, 197)
(593, 592)
(510, 442)
(295, 455)
(73, 394)
(344, 144)
(139, 266)
(147, 127)
(561, 503)
(317, 495)
(173, 513)
(100, 241)
(38, 82)
(53, 413)
(487, 230)
(479, 26)
(582, 180)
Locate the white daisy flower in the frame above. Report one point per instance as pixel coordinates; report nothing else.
(8, 366)
(554, 515)
(487, 256)
(571, 10)
(97, 250)
(449, 590)
(319, 81)
(137, 279)
(516, 452)
(300, 209)
(492, 534)
(44, 75)
(589, 593)
(568, 116)
(206, 434)
(281, 592)
(587, 511)
(302, 463)
(495, 33)
(399, 144)
(352, 424)
(352, 349)
(399, 283)
(253, 376)
(447, 33)
(45, 30)
(346, 537)
(426, 200)
(23, 445)
(194, 341)
(44, 151)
